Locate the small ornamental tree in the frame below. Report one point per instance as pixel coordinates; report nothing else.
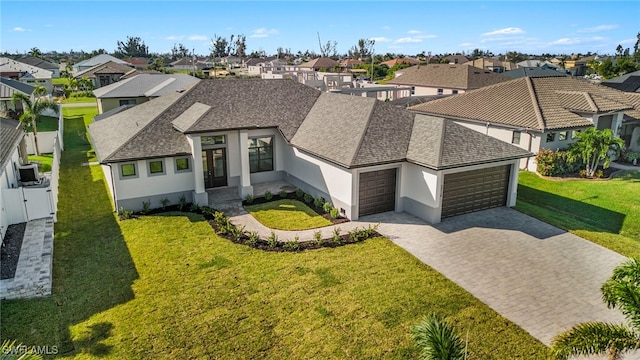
(593, 146)
(33, 109)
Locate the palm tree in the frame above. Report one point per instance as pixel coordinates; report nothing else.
(33, 109)
(35, 52)
(8, 348)
(437, 340)
(593, 146)
(621, 291)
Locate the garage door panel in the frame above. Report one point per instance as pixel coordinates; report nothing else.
(377, 191)
(475, 190)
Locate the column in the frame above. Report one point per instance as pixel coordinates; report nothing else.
(200, 196)
(245, 187)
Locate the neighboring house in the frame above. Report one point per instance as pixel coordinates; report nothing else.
(538, 113)
(492, 64)
(141, 63)
(25, 73)
(232, 61)
(257, 66)
(42, 64)
(364, 155)
(321, 63)
(443, 79)
(534, 63)
(98, 60)
(7, 88)
(141, 88)
(106, 74)
(186, 63)
(391, 63)
(628, 82)
(532, 72)
(349, 63)
(451, 59)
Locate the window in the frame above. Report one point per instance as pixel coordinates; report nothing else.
(551, 137)
(516, 137)
(454, 91)
(213, 140)
(182, 164)
(413, 90)
(440, 91)
(261, 154)
(128, 170)
(156, 167)
(562, 135)
(128, 102)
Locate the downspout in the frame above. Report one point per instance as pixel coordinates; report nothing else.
(113, 188)
(528, 148)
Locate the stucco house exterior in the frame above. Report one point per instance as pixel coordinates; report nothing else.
(537, 113)
(8, 87)
(26, 73)
(139, 89)
(364, 155)
(444, 79)
(105, 74)
(97, 60)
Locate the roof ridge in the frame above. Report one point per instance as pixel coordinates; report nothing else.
(535, 103)
(137, 134)
(366, 126)
(592, 103)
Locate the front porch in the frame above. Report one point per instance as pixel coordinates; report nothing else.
(227, 200)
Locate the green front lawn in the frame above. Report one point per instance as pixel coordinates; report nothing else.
(604, 212)
(79, 99)
(287, 215)
(166, 286)
(45, 160)
(76, 120)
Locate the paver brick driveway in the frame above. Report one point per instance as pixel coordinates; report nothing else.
(540, 277)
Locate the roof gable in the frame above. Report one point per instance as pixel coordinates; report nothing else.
(463, 77)
(440, 144)
(149, 85)
(10, 86)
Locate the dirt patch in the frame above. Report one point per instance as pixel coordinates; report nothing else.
(10, 250)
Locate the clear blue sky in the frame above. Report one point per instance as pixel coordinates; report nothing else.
(407, 27)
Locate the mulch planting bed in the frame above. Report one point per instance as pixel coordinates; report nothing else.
(10, 250)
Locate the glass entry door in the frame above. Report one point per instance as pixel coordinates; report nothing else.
(214, 166)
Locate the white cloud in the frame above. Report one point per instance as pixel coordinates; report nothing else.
(263, 33)
(566, 41)
(427, 36)
(380, 39)
(198, 38)
(466, 44)
(627, 41)
(598, 28)
(174, 37)
(18, 29)
(414, 32)
(386, 27)
(405, 40)
(505, 31)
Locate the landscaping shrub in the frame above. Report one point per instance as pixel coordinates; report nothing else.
(125, 214)
(317, 238)
(308, 198)
(272, 240)
(146, 207)
(182, 203)
(164, 202)
(249, 199)
(629, 156)
(253, 238)
(299, 193)
(334, 213)
(556, 163)
(236, 232)
(318, 202)
(293, 245)
(282, 194)
(336, 236)
(268, 195)
(327, 206)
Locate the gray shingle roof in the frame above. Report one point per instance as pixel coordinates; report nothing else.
(10, 86)
(532, 72)
(149, 85)
(350, 131)
(11, 133)
(440, 143)
(628, 82)
(106, 68)
(100, 59)
(462, 77)
(41, 63)
(539, 104)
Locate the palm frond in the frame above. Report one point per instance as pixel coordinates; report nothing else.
(594, 338)
(622, 291)
(437, 340)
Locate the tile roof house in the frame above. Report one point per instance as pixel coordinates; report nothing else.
(529, 63)
(453, 59)
(106, 73)
(537, 112)
(492, 64)
(442, 79)
(98, 60)
(391, 63)
(363, 155)
(25, 73)
(140, 88)
(320, 63)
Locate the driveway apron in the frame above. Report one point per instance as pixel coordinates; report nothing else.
(540, 277)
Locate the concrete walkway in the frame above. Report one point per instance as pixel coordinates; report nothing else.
(34, 270)
(540, 277)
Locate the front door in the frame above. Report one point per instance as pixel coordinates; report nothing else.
(214, 165)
